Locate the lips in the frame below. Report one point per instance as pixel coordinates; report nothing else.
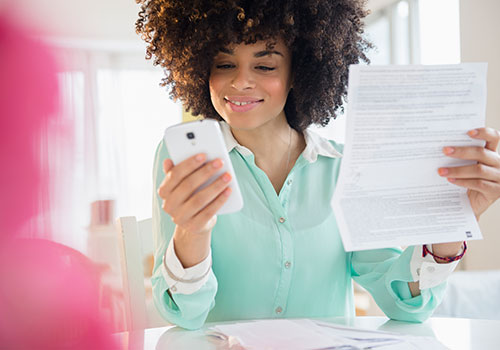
(242, 103)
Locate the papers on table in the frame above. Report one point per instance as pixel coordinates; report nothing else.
(304, 334)
(399, 118)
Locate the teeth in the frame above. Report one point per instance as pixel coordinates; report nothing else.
(240, 103)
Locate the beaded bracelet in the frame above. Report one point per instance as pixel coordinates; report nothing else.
(426, 251)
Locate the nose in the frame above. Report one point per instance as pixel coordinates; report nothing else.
(243, 79)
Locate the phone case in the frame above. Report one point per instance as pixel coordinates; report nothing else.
(204, 136)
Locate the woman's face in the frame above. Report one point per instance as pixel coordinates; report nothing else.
(249, 84)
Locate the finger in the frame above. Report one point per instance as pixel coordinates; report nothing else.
(178, 172)
(479, 154)
(490, 135)
(210, 210)
(203, 198)
(193, 181)
(475, 171)
(167, 165)
(490, 189)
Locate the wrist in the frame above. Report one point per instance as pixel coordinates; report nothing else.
(191, 248)
(446, 252)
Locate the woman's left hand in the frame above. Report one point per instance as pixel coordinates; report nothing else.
(482, 179)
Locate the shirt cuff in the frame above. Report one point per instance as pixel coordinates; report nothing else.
(180, 280)
(427, 271)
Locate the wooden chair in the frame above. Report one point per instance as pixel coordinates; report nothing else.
(135, 240)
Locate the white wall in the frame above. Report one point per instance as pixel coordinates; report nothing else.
(94, 19)
(80, 19)
(479, 35)
(375, 5)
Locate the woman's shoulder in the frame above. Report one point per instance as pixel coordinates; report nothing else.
(339, 147)
(319, 145)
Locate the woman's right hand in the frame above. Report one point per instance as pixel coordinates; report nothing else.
(193, 213)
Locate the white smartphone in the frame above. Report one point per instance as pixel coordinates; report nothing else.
(204, 136)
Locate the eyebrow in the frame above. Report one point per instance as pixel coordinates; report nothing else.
(257, 54)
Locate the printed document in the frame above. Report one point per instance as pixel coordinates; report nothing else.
(306, 334)
(399, 118)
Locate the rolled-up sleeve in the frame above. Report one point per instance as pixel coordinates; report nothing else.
(184, 280)
(385, 273)
(185, 310)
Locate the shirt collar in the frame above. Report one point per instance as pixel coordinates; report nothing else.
(315, 145)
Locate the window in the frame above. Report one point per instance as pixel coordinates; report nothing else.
(408, 32)
(118, 112)
(439, 31)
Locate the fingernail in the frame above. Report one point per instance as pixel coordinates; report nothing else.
(473, 132)
(200, 157)
(227, 191)
(443, 171)
(217, 163)
(226, 177)
(448, 150)
(450, 179)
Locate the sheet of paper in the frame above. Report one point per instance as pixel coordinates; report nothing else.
(367, 338)
(399, 118)
(276, 334)
(305, 334)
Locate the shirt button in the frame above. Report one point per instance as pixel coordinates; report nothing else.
(282, 219)
(431, 269)
(278, 310)
(173, 289)
(288, 264)
(418, 271)
(289, 182)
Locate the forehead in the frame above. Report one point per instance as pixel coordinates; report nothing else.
(258, 49)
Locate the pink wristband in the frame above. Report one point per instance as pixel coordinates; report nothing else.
(426, 251)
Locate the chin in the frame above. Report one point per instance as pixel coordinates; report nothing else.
(243, 122)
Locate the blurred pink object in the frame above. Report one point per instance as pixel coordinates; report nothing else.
(28, 98)
(49, 295)
(50, 298)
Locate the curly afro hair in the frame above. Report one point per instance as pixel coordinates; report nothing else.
(324, 38)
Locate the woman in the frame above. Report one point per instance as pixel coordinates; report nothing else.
(268, 70)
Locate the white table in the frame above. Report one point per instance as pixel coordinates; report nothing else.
(455, 333)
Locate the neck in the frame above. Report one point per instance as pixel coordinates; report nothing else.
(276, 147)
(268, 142)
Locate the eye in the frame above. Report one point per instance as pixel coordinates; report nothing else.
(265, 68)
(224, 66)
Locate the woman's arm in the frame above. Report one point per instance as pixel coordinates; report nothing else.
(482, 181)
(388, 274)
(444, 250)
(175, 215)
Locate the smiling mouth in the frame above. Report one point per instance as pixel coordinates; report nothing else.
(240, 103)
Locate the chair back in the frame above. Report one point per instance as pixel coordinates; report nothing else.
(135, 240)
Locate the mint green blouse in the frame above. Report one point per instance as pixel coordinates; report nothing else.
(281, 255)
